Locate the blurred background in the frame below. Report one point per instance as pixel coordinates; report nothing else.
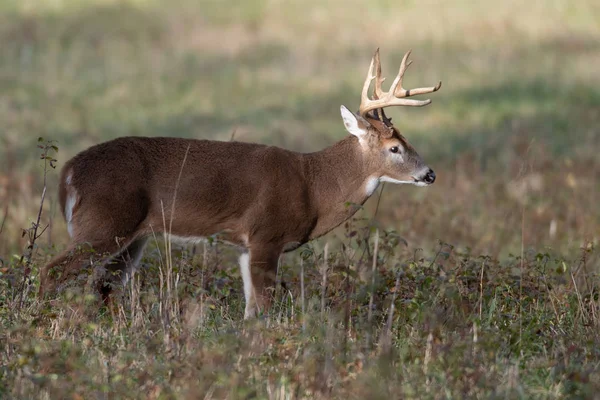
(513, 135)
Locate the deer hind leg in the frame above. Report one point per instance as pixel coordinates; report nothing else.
(69, 264)
(118, 270)
(259, 271)
(108, 221)
(48, 278)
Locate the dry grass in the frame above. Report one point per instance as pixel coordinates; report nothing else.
(461, 326)
(513, 136)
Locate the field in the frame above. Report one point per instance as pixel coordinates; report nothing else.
(484, 285)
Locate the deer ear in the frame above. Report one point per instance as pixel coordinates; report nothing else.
(355, 124)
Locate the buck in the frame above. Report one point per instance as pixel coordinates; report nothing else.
(264, 199)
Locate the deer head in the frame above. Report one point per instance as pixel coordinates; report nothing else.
(388, 154)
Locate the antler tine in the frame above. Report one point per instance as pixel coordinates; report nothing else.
(398, 81)
(401, 92)
(397, 95)
(377, 92)
(364, 98)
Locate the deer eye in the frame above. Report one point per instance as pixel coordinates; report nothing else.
(394, 149)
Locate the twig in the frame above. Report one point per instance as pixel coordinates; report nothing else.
(386, 339)
(302, 294)
(324, 281)
(373, 269)
(481, 290)
(4, 217)
(233, 132)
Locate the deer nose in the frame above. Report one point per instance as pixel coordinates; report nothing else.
(429, 177)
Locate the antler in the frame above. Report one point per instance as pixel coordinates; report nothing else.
(396, 96)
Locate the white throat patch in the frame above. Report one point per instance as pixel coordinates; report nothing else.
(371, 185)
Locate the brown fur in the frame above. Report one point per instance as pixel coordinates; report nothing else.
(266, 199)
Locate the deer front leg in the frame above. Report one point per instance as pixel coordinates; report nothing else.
(259, 271)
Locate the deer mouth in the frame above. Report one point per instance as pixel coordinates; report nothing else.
(427, 179)
(419, 182)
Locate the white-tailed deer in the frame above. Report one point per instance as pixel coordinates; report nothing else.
(265, 199)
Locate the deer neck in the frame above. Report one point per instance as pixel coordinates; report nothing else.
(340, 183)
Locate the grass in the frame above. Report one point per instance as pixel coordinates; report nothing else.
(461, 326)
(501, 302)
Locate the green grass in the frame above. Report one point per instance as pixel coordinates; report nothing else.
(513, 136)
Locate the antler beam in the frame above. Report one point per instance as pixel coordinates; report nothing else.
(397, 95)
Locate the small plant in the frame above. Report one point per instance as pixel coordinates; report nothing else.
(35, 231)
